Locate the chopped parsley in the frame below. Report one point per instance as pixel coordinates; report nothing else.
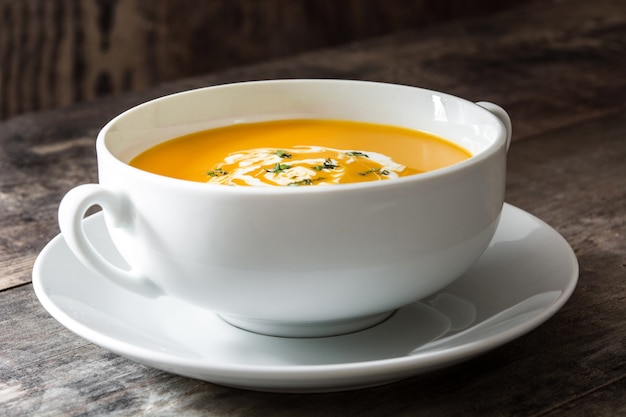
(306, 181)
(283, 154)
(218, 172)
(357, 154)
(328, 164)
(278, 168)
(376, 170)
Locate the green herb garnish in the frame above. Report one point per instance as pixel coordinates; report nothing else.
(328, 164)
(357, 154)
(306, 181)
(218, 172)
(283, 154)
(278, 168)
(377, 170)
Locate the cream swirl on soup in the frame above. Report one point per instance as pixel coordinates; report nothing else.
(303, 165)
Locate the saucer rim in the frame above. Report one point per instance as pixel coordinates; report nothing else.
(400, 367)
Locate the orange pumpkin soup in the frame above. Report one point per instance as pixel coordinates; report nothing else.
(299, 153)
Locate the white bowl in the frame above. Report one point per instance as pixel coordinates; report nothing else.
(295, 261)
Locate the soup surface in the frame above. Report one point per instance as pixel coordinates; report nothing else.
(299, 153)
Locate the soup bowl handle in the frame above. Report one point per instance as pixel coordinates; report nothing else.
(72, 210)
(501, 114)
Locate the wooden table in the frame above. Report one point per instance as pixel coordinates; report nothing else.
(558, 67)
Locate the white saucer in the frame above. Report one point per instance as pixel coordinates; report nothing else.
(527, 273)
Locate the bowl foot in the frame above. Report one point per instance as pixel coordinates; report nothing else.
(306, 329)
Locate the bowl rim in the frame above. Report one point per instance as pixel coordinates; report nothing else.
(104, 154)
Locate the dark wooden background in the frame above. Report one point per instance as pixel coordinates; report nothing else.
(58, 52)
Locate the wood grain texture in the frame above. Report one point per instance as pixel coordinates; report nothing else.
(57, 52)
(557, 67)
